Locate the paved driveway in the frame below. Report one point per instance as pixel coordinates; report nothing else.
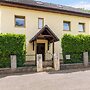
(65, 80)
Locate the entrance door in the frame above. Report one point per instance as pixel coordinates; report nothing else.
(41, 50)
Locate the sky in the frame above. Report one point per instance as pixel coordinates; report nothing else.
(74, 3)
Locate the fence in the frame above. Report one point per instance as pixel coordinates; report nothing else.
(82, 60)
(30, 60)
(72, 58)
(69, 58)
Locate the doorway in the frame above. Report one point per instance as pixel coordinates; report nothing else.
(41, 50)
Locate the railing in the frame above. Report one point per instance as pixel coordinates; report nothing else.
(30, 60)
(30, 57)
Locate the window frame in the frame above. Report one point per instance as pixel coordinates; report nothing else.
(42, 23)
(69, 23)
(22, 17)
(83, 24)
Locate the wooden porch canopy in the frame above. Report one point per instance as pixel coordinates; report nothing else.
(45, 33)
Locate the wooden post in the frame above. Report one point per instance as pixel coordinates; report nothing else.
(36, 54)
(53, 47)
(48, 45)
(33, 45)
(53, 55)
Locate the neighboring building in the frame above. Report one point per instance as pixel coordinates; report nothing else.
(44, 24)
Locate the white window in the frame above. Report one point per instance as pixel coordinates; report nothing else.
(81, 27)
(40, 23)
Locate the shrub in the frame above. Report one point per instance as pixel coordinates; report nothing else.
(75, 46)
(12, 44)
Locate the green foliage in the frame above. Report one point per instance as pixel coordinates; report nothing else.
(12, 44)
(75, 46)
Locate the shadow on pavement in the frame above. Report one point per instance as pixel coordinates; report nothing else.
(49, 72)
(68, 71)
(15, 74)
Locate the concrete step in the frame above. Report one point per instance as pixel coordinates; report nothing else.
(48, 69)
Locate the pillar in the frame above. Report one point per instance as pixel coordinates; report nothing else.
(13, 62)
(56, 61)
(39, 63)
(85, 59)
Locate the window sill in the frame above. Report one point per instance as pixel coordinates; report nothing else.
(81, 31)
(39, 28)
(20, 27)
(66, 30)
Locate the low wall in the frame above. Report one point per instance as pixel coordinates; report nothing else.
(18, 70)
(30, 69)
(72, 66)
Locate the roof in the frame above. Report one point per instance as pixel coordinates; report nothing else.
(45, 33)
(48, 6)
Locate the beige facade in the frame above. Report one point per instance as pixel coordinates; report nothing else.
(53, 20)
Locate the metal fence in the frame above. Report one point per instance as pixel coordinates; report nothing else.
(70, 58)
(30, 60)
(67, 58)
(30, 57)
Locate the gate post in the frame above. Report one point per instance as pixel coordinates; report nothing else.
(39, 63)
(85, 59)
(56, 61)
(13, 62)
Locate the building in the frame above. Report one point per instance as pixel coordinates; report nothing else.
(43, 23)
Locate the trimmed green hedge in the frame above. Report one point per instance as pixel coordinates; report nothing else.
(75, 46)
(12, 44)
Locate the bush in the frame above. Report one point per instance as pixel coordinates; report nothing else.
(75, 46)
(12, 44)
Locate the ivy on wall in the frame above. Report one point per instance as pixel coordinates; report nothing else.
(75, 45)
(12, 44)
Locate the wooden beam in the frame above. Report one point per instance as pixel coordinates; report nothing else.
(48, 45)
(47, 35)
(42, 36)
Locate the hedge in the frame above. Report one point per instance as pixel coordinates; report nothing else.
(12, 44)
(75, 45)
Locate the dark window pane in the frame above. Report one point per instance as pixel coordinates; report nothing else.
(19, 21)
(66, 26)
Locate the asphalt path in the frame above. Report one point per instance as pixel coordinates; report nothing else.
(61, 80)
